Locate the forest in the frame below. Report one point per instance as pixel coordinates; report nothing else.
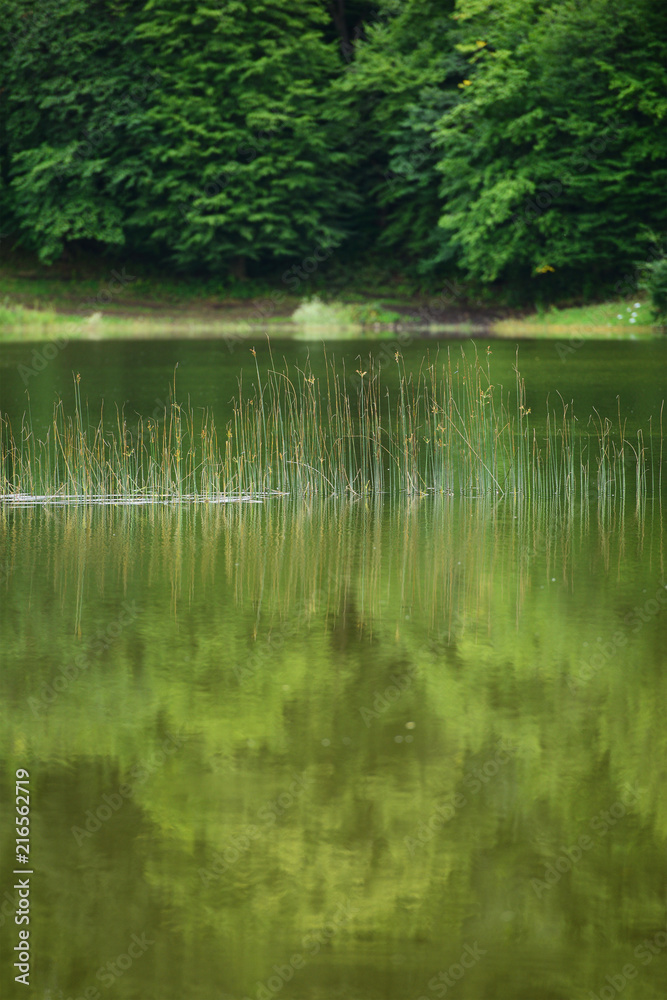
(516, 146)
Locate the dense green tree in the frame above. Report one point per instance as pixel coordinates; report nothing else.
(243, 162)
(71, 112)
(403, 79)
(556, 156)
(194, 130)
(514, 142)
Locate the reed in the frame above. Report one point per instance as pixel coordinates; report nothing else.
(445, 428)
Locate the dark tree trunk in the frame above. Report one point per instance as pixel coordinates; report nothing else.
(337, 8)
(238, 268)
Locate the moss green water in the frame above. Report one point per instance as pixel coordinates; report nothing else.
(367, 751)
(328, 752)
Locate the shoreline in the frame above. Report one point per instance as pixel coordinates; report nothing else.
(34, 309)
(37, 326)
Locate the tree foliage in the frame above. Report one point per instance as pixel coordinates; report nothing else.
(514, 142)
(244, 163)
(555, 157)
(186, 129)
(402, 81)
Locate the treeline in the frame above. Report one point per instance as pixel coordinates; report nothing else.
(513, 144)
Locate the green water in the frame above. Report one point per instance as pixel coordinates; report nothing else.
(395, 750)
(138, 375)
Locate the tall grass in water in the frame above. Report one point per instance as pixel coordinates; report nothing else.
(445, 428)
(111, 458)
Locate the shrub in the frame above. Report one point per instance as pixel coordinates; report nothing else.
(654, 281)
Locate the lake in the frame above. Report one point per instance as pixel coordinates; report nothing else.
(384, 748)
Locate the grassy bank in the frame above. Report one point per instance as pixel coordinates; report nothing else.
(338, 320)
(619, 318)
(38, 304)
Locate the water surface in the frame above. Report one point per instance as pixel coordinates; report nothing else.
(379, 749)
